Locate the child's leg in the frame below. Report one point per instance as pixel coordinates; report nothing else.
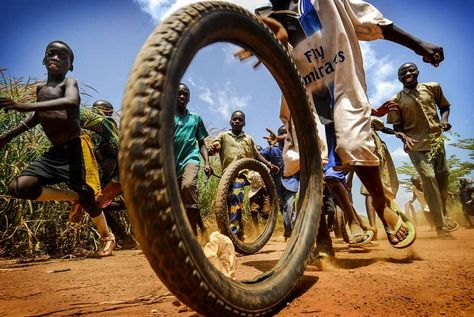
(370, 177)
(190, 195)
(25, 187)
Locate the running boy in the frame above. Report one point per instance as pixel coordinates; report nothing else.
(416, 119)
(57, 110)
(189, 135)
(233, 145)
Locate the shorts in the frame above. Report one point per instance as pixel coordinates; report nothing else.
(72, 163)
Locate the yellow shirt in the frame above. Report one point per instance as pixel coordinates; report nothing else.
(233, 147)
(418, 112)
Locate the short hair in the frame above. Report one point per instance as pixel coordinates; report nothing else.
(104, 107)
(68, 48)
(281, 130)
(236, 111)
(184, 85)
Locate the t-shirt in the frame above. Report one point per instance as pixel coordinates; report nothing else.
(233, 147)
(274, 154)
(330, 62)
(188, 130)
(418, 113)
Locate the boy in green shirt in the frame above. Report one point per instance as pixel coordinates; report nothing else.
(189, 129)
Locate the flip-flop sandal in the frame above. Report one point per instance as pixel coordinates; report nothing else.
(409, 238)
(450, 225)
(368, 234)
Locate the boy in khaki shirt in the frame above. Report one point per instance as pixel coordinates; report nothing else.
(231, 146)
(415, 120)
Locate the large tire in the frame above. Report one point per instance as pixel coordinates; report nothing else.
(147, 164)
(221, 209)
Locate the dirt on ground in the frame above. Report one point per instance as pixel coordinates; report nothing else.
(432, 278)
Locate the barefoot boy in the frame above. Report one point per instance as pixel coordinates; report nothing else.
(57, 110)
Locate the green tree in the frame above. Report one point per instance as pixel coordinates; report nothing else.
(466, 144)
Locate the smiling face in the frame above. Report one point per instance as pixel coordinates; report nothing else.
(237, 121)
(408, 75)
(58, 58)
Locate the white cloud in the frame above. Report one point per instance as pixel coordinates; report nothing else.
(380, 75)
(159, 9)
(222, 100)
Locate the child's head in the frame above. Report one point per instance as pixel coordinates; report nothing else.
(237, 121)
(58, 58)
(184, 96)
(103, 107)
(408, 75)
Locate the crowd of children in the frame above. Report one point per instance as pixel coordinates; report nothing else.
(87, 161)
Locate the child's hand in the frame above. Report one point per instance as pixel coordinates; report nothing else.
(7, 104)
(273, 168)
(408, 142)
(445, 125)
(208, 170)
(385, 108)
(271, 138)
(213, 149)
(432, 53)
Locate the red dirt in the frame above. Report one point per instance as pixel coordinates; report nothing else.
(434, 277)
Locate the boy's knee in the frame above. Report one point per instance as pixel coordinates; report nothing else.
(24, 190)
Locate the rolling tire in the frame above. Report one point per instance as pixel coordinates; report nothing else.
(147, 164)
(222, 212)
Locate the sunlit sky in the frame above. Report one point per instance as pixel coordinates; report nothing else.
(106, 35)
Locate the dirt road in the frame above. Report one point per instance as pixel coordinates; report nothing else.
(433, 278)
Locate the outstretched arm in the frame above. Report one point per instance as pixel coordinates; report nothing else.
(71, 99)
(19, 129)
(431, 53)
(271, 167)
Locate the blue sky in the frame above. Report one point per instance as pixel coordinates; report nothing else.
(106, 35)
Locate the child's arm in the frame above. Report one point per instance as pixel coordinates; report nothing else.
(407, 141)
(214, 147)
(444, 123)
(431, 53)
(71, 99)
(271, 167)
(205, 156)
(22, 127)
(385, 108)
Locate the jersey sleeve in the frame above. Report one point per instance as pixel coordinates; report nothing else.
(366, 19)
